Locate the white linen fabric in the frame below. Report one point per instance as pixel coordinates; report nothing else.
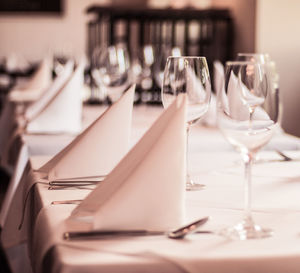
(219, 76)
(237, 108)
(36, 107)
(35, 86)
(210, 118)
(275, 204)
(99, 148)
(197, 92)
(14, 182)
(146, 190)
(59, 111)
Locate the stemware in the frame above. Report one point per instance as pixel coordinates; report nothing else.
(188, 75)
(98, 93)
(247, 114)
(112, 70)
(142, 71)
(159, 66)
(273, 76)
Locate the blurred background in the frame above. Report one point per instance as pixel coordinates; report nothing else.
(31, 30)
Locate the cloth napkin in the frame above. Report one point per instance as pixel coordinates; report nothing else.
(37, 107)
(59, 110)
(98, 149)
(210, 118)
(146, 190)
(237, 106)
(219, 76)
(35, 86)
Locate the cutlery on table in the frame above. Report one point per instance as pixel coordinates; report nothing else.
(283, 155)
(67, 202)
(179, 233)
(76, 181)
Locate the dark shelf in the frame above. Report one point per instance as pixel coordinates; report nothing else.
(198, 32)
(169, 13)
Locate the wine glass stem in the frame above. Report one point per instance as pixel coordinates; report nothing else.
(188, 179)
(248, 158)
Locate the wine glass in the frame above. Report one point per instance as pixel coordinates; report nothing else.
(262, 58)
(97, 93)
(112, 69)
(247, 114)
(142, 70)
(159, 66)
(188, 75)
(273, 76)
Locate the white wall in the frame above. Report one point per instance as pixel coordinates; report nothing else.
(243, 13)
(34, 36)
(278, 33)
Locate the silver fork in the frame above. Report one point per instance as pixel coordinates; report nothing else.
(283, 155)
(66, 202)
(76, 182)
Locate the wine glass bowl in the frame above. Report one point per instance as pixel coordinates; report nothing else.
(247, 115)
(112, 70)
(159, 65)
(189, 75)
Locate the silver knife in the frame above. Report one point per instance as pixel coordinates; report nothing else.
(102, 234)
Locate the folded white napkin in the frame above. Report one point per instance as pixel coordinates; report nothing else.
(210, 118)
(37, 107)
(98, 149)
(60, 110)
(237, 96)
(146, 190)
(16, 62)
(219, 76)
(236, 105)
(200, 94)
(35, 86)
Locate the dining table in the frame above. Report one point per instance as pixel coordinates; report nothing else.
(34, 213)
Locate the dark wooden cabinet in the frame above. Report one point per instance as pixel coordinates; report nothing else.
(206, 33)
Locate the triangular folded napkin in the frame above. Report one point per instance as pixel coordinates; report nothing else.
(60, 109)
(35, 86)
(146, 190)
(98, 149)
(37, 107)
(219, 76)
(238, 95)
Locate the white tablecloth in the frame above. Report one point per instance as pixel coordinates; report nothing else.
(212, 162)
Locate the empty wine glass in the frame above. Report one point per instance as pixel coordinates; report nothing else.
(261, 58)
(142, 71)
(188, 75)
(112, 70)
(247, 114)
(159, 66)
(97, 93)
(273, 76)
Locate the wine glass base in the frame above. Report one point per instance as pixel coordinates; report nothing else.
(192, 186)
(246, 231)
